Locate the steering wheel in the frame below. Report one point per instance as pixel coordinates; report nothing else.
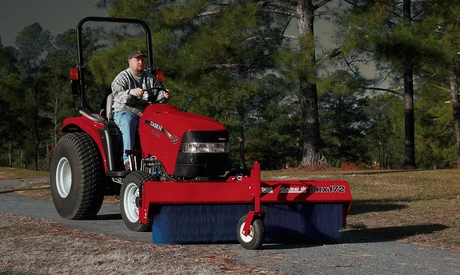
(154, 88)
(159, 89)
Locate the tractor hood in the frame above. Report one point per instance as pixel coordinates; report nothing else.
(167, 115)
(188, 144)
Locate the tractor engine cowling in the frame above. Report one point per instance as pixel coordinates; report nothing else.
(189, 146)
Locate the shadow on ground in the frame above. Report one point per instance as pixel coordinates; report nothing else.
(391, 233)
(361, 207)
(372, 235)
(11, 190)
(108, 217)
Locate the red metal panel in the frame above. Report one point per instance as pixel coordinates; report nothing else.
(248, 190)
(91, 128)
(174, 192)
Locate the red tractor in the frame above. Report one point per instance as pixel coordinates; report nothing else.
(87, 160)
(179, 159)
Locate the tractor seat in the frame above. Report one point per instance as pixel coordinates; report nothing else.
(108, 107)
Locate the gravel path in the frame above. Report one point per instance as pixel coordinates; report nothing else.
(356, 254)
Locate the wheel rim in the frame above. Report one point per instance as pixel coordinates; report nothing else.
(250, 236)
(129, 202)
(63, 177)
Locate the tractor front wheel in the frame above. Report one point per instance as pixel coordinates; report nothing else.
(76, 177)
(131, 195)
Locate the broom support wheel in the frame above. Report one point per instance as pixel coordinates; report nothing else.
(256, 235)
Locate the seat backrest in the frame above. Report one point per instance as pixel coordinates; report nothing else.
(108, 107)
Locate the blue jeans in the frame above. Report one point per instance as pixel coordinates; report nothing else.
(127, 122)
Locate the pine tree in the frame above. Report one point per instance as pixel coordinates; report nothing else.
(393, 33)
(343, 120)
(33, 43)
(443, 25)
(10, 98)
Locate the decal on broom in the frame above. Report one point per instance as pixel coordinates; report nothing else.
(330, 189)
(305, 189)
(296, 190)
(266, 190)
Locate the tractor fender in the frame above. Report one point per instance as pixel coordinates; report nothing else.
(90, 127)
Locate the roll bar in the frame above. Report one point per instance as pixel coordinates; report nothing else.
(79, 80)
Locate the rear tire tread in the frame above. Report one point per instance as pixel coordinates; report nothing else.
(87, 172)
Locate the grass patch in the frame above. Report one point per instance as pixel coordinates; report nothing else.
(38, 246)
(40, 190)
(7, 173)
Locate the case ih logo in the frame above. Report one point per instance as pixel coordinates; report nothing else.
(160, 128)
(156, 125)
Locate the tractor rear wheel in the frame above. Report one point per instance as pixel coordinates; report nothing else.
(131, 195)
(76, 177)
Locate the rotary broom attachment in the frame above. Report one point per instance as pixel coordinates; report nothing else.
(245, 209)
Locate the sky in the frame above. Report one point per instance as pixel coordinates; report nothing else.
(56, 16)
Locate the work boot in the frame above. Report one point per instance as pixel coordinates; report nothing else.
(127, 168)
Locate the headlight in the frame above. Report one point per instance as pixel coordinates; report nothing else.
(202, 147)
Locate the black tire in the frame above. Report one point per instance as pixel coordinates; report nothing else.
(130, 200)
(76, 177)
(256, 235)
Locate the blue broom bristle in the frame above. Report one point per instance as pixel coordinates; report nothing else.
(216, 223)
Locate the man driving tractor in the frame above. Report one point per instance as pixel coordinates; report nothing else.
(133, 89)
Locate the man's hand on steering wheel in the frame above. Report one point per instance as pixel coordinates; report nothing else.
(167, 93)
(136, 92)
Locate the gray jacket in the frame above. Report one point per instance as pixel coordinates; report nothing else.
(126, 80)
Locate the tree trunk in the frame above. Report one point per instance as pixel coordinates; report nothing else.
(409, 152)
(10, 154)
(456, 107)
(308, 97)
(37, 131)
(56, 117)
(241, 139)
(310, 124)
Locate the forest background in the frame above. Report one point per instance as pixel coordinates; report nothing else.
(378, 92)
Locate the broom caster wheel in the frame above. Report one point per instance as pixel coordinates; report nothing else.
(256, 236)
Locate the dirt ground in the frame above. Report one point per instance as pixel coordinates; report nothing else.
(38, 246)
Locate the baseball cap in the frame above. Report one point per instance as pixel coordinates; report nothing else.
(136, 53)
